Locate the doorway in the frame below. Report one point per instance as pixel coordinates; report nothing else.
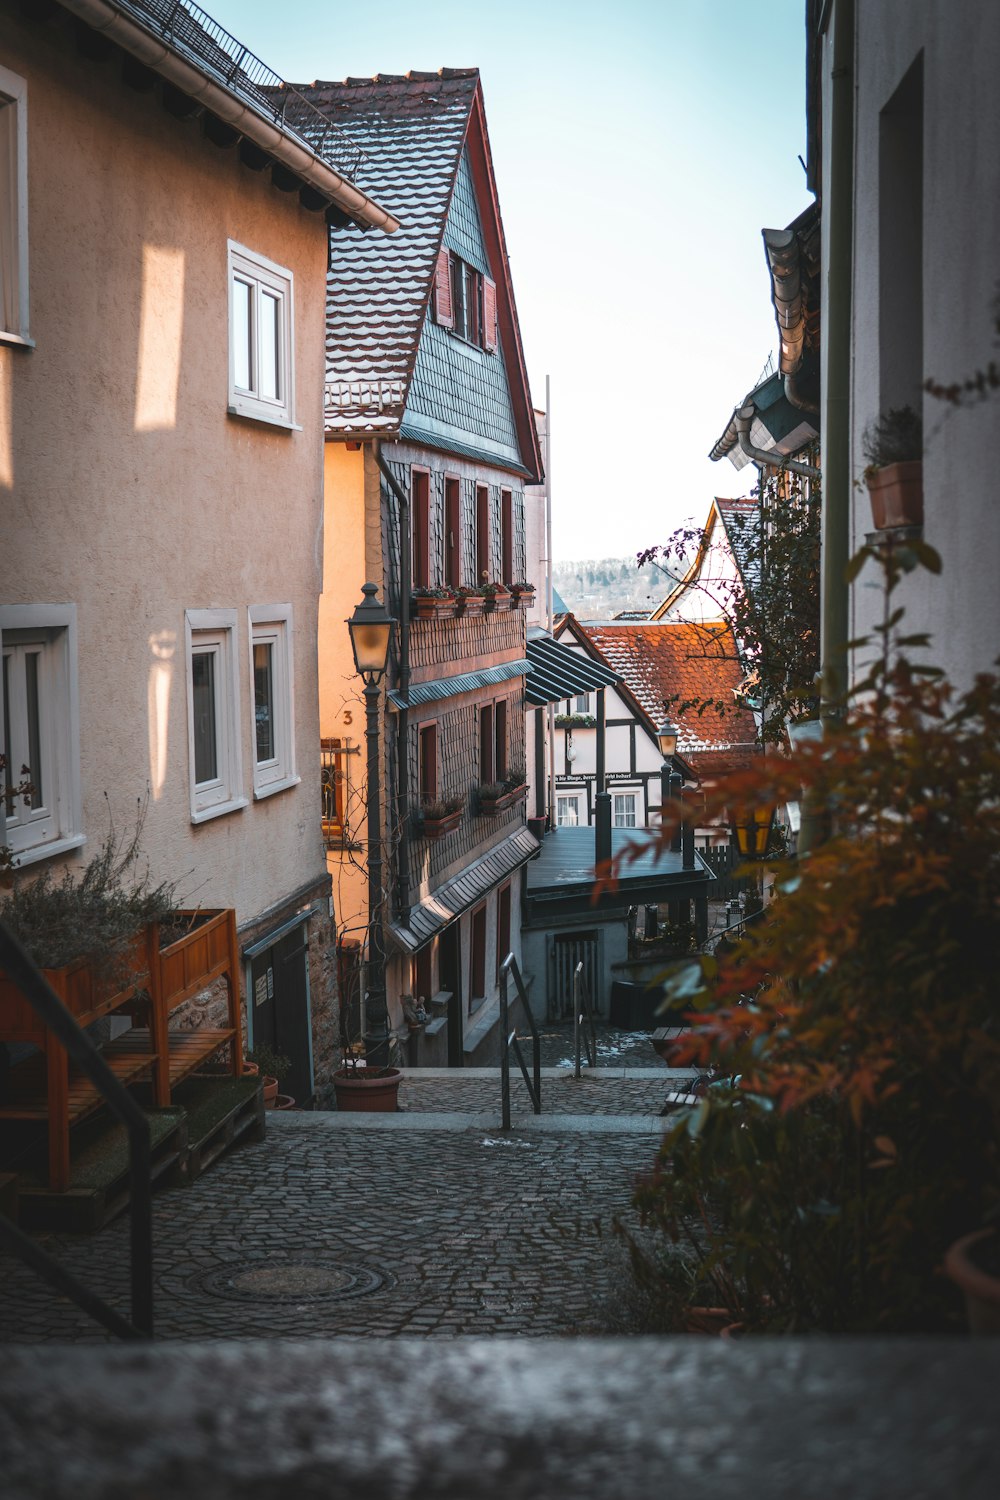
(450, 970)
(279, 994)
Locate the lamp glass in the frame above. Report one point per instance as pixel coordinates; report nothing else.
(667, 738)
(371, 631)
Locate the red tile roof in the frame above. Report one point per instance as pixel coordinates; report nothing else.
(671, 663)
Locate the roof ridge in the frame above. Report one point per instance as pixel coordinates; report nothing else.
(415, 75)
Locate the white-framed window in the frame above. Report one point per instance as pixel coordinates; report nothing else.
(216, 767)
(261, 343)
(568, 810)
(273, 698)
(13, 209)
(581, 704)
(624, 809)
(40, 731)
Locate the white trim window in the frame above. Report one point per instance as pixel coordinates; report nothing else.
(624, 809)
(214, 760)
(568, 810)
(13, 209)
(40, 731)
(273, 698)
(261, 338)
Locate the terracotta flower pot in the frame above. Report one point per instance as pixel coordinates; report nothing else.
(980, 1286)
(284, 1101)
(270, 1091)
(897, 495)
(372, 1090)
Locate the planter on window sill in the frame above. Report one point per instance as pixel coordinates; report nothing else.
(432, 606)
(499, 599)
(469, 604)
(896, 492)
(523, 594)
(436, 828)
(490, 804)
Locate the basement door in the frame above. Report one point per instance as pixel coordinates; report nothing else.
(279, 990)
(567, 949)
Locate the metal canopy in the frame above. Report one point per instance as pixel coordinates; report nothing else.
(464, 682)
(430, 916)
(557, 672)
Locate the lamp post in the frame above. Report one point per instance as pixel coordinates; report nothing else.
(751, 830)
(671, 780)
(371, 627)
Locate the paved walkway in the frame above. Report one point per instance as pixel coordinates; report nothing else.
(429, 1222)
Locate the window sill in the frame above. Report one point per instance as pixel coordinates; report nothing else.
(251, 412)
(206, 814)
(16, 340)
(46, 851)
(271, 787)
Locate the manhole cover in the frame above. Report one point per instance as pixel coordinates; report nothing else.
(290, 1281)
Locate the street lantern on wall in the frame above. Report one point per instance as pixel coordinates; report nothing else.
(751, 831)
(371, 628)
(666, 737)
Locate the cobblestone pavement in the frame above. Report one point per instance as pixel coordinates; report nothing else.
(334, 1227)
(592, 1094)
(615, 1048)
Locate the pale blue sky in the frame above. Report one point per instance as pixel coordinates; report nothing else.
(640, 146)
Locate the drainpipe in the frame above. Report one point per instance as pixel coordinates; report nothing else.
(839, 206)
(550, 614)
(771, 460)
(403, 719)
(600, 768)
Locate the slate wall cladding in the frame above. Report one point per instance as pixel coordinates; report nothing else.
(454, 381)
(457, 720)
(400, 458)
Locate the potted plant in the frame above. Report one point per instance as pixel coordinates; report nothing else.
(495, 596)
(522, 593)
(441, 816)
(272, 1066)
(361, 1089)
(495, 796)
(469, 600)
(893, 447)
(433, 603)
(575, 721)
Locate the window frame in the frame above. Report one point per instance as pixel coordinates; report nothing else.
(506, 536)
(617, 797)
(483, 538)
(478, 934)
(427, 762)
(420, 526)
(273, 624)
(14, 97)
(215, 630)
(265, 277)
(501, 739)
(54, 626)
(566, 797)
(487, 744)
(451, 535)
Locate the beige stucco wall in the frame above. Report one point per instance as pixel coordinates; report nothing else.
(126, 488)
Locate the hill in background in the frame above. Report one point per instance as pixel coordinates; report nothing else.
(601, 588)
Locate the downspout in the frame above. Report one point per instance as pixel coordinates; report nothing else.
(771, 460)
(549, 609)
(403, 725)
(839, 204)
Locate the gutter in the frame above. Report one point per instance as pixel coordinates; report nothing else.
(110, 20)
(744, 421)
(781, 246)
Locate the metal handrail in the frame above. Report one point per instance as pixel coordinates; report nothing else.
(582, 992)
(509, 1039)
(29, 979)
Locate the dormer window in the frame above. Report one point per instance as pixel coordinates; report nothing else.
(465, 301)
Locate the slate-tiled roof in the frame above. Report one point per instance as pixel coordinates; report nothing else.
(680, 660)
(741, 519)
(412, 128)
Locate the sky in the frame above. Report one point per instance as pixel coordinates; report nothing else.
(640, 146)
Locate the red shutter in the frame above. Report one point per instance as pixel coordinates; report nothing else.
(444, 311)
(489, 314)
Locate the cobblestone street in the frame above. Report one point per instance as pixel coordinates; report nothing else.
(428, 1222)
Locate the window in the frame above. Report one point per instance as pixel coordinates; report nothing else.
(40, 731)
(477, 958)
(335, 785)
(427, 772)
(624, 807)
(465, 300)
(13, 209)
(273, 699)
(420, 498)
(487, 747)
(423, 973)
(452, 532)
(482, 533)
(568, 811)
(503, 925)
(216, 768)
(500, 717)
(506, 536)
(261, 353)
(582, 704)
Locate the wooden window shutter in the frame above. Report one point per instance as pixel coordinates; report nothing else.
(489, 314)
(444, 308)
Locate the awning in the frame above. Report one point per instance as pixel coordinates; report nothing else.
(435, 912)
(557, 672)
(465, 682)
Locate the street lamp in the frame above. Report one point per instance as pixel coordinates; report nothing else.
(751, 830)
(371, 627)
(671, 780)
(667, 738)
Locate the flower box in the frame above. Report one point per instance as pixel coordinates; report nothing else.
(490, 805)
(436, 828)
(432, 607)
(470, 604)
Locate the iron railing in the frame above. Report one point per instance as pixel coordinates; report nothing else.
(584, 1029)
(46, 1004)
(194, 34)
(509, 1039)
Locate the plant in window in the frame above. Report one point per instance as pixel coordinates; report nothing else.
(12, 794)
(575, 721)
(893, 446)
(494, 796)
(432, 602)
